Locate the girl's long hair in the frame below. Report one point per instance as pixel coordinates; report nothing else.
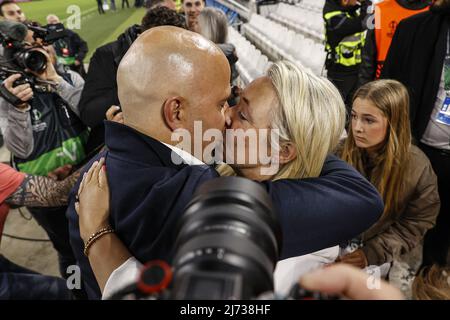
(387, 175)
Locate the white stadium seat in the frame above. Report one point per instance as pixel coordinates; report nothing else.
(292, 32)
(279, 42)
(252, 63)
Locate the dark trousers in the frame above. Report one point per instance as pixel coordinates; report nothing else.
(55, 223)
(346, 83)
(437, 240)
(18, 283)
(100, 6)
(123, 3)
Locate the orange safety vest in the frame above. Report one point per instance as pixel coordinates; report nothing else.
(388, 15)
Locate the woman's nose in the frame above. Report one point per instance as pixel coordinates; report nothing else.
(358, 127)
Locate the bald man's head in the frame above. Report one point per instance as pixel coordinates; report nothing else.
(52, 19)
(171, 77)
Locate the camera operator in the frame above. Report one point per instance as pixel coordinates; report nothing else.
(9, 10)
(71, 49)
(45, 135)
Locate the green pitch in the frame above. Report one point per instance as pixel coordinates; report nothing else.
(95, 29)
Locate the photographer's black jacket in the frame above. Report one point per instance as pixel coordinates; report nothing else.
(100, 89)
(149, 193)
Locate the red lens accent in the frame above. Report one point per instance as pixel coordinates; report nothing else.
(165, 281)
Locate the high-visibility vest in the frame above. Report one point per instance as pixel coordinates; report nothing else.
(348, 51)
(388, 15)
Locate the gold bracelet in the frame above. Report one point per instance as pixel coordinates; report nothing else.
(97, 235)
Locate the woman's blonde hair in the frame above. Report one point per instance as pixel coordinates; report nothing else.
(387, 175)
(213, 25)
(310, 115)
(432, 283)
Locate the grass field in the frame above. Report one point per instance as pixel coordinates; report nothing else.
(95, 29)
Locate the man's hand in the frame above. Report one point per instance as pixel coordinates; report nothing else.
(77, 63)
(348, 282)
(114, 114)
(357, 259)
(23, 91)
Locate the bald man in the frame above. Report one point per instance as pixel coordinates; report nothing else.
(169, 79)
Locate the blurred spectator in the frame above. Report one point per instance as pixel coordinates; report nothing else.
(138, 3)
(70, 50)
(432, 283)
(100, 91)
(192, 9)
(344, 26)
(9, 10)
(213, 25)
(387, 16)
(100, 7)
(125, 2)
(425, 71)
(379, 146)
(113, 5)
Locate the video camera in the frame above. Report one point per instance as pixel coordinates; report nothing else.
(227, 246)
(20, 57)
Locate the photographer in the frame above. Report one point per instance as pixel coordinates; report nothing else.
(71, 49)
(43, 132)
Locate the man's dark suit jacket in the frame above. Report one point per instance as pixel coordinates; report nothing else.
(149, 193)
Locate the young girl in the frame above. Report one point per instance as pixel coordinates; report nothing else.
(379, 146)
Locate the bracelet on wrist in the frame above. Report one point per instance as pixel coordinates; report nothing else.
(94, 237)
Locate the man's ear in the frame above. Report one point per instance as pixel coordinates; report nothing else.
(288, 152)
(173, 113)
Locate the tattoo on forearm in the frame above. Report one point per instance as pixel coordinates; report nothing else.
(36, 191)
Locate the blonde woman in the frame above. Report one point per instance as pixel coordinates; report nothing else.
(309, 118)
(379, 146)
(304, 109)
(308, 114)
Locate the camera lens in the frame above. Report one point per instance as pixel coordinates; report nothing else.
(228, 242)
(33, 60)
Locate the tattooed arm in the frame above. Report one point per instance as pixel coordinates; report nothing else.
(36, 191)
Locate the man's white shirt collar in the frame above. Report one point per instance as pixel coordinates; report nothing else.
(187, 158)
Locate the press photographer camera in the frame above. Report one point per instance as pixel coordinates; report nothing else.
(227, 247)
(39, 116)
(24, 54)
